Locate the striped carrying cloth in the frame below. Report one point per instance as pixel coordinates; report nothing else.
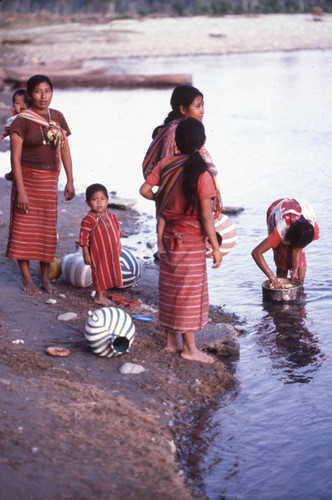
(183, 286)
(32, 235)
(170, 175)
(164, 145)
(54, 133)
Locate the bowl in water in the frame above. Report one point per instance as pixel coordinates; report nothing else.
(292, 293)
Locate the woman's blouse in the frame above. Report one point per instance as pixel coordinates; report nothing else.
(37, 153)
(284, 212)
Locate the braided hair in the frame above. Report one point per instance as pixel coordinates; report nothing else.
(189, 138)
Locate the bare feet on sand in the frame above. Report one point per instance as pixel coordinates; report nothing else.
(175, 350)
(102, 300)
(197, 355)
(48, 288)
(30, 289)
(173, 343)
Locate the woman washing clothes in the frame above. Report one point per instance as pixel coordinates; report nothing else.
(39, 146)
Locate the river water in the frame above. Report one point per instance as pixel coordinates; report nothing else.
(268, 120)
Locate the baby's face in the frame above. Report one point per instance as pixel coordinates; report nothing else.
(20, 104)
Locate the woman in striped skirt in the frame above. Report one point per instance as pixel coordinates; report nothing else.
(39, 146)
(185, 200)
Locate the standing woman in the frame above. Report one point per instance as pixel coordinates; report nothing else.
(185, 201)
(186, 102)
(39, 146)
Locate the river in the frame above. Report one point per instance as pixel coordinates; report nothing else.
(268, 120)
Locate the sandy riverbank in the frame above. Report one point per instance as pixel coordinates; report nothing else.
(166, 37)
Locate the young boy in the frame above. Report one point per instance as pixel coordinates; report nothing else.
(20, 103)
(100, 239)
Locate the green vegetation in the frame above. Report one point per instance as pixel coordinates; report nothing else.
(133, 8)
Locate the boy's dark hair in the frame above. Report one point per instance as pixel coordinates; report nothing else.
(20, 92)
(300, 233)
(36, 80)
(189, 138)
(91, 190)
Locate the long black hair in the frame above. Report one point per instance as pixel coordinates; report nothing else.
(189, 138)
(182, 95)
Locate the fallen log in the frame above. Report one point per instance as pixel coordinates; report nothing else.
(79, 77)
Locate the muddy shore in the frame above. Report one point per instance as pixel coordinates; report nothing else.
(119, 436)
(75, 427)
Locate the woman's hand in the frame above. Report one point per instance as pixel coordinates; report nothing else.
(210, 231)
(69, 192)
(275, 282)
(22, 202)
(217, 258)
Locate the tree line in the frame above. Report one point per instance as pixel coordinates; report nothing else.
(133, 8)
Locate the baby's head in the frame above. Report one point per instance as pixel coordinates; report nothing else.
(300, 233)
(20, 100)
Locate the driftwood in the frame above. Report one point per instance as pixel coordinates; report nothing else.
(232, 210)
(71, 74)
(121, 203)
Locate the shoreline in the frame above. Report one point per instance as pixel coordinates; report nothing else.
(155, 410)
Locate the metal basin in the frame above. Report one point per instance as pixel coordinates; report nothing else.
(292, 294)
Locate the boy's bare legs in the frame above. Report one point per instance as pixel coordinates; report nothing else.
(172, 343)
(28, 285)
(46, 285)
(191, 352)
(99, 298)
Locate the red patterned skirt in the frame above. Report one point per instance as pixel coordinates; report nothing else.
(183, 286)
(32, 236)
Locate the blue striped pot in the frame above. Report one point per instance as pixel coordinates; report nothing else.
(130, 269)
(109, 331)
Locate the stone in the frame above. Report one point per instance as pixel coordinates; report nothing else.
(131, 368)
(121, 203)
(67, 316)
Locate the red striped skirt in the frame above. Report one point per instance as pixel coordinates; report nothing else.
(183, 286)
(32, 236)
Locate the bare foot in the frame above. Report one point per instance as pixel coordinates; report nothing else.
(174, 349)
(30, 289)
(103, 301)
(48, 288)
(173, 344)
(199, 356)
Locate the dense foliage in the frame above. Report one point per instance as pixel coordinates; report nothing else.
(129, 8)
